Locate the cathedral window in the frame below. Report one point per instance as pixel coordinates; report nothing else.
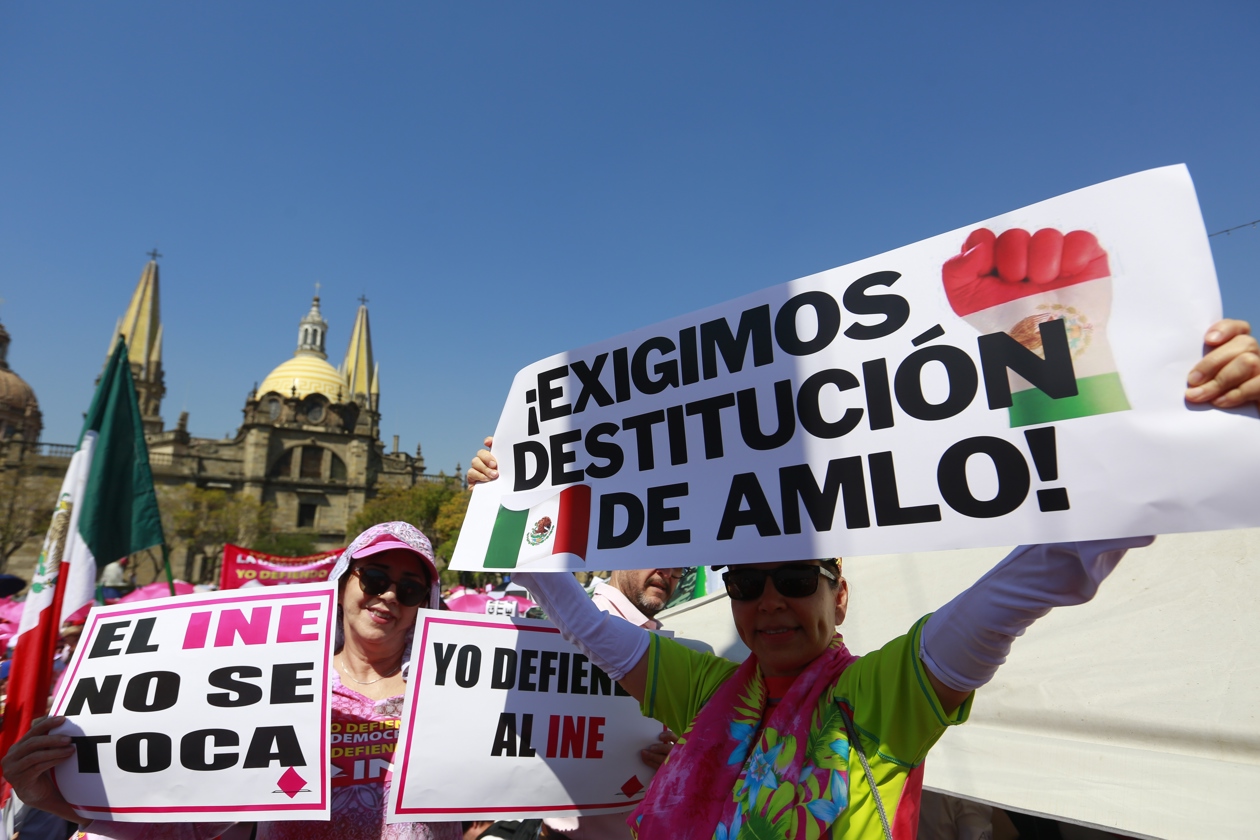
(306, 514)
(338, 468)
(283, 468)
(312, 462)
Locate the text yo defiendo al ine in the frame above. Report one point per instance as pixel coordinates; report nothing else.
(713, 349)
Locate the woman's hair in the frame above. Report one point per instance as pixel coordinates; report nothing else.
(832, 564)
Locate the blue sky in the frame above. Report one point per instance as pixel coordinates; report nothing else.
(509, 180)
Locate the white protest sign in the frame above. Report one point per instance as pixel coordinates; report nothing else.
(205, 707)
(505, 720)
(1016, 380)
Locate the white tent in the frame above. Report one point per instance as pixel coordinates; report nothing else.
(1138, 712)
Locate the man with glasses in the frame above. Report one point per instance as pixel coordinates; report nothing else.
(637, 595)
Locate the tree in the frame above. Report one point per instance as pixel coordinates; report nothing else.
(419, 505)
(437, 508)
(26, 507)
(205, 520)
(297, 544)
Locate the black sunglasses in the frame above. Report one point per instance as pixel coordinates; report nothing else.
(789, 581)
(376, 582)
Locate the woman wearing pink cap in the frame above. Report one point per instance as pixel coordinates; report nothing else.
(386, 575)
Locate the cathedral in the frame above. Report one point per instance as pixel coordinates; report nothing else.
(309, 445)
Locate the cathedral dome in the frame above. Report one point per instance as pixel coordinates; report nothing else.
(309, 375)
(15, 394)
(19, 410)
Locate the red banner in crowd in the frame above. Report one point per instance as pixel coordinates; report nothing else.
(242, 565)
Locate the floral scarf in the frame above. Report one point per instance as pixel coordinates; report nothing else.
(725, 782)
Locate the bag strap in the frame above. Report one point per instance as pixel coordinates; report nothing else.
(856, 743)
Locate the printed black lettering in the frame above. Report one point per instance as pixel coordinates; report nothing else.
(716, 337)
(560, 457)
(577, 685)
(879, 413)
(888, 509)
(1051, 371)
(959, 370)
(285, 683)
(711, 422)
(194, 749)
(827, 318)
(894, 308)
(591, 386)
(503, 672)
(156, 749)
(750, 420)
(843, 475)
(547, 669)
(658, 515)
(525, 481)
(1013, 478)
(609, 503)
(529, 668)
(109, 633)
(641, 425)
(809, 404)
(549, 392)
(688, 356)
(442, 655)
(139, 642)
(99, 699)
(597, 447)
(527, 735)
(746, 488)
(468, 666)
(162, 685)
(85, 747)
(666, 370)
(505, 736)
(274, 743)
(236, 692)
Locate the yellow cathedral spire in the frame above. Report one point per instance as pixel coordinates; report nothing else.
(359, 370)
(141, 328)
(142, 325)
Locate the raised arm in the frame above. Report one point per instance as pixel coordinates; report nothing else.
(965, 641)
(618, 647)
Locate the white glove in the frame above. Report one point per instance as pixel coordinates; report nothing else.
(965, 641)
(611, 642)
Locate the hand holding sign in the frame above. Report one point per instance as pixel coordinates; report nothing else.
(1228, 375)
(27, 766)
(1015, 283)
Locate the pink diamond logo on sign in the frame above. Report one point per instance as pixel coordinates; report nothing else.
(291, 783)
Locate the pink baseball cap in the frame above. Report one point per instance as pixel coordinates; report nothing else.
(389, 542)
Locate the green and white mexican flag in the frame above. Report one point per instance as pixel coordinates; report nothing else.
(106, 510)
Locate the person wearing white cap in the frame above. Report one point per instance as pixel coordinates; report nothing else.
(386, 574)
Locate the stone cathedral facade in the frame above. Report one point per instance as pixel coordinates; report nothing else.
(309, 443)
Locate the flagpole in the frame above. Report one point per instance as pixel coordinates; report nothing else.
(166, 563)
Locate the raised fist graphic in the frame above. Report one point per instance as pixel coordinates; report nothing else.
(1014, 282)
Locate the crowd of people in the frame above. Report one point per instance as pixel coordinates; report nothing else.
(803, 739)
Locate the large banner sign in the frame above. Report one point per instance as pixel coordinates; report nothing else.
(202, 708)
(1016, 380)
(242, 565)
(540, 730)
